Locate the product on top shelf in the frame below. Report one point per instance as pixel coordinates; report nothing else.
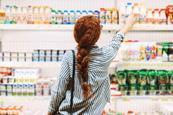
(169, 14)
(47, 15)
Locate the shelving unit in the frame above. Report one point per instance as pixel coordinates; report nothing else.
(29, 37)
(41, 27)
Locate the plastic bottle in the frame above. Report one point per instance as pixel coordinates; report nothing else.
(84, 13)
(78, 14)
(53, 17)
(108, 16)
(142, 13)
(114, 16)
(103, 15)
(156, 17)
(149, 16)
(72, 17)
(47, 15)
(59, 17)
(97, 14)
(162, 16)
(66, 17)
(128, 9)
(90, 12)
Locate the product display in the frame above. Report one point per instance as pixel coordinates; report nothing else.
(147, 51)
(11, 110)
(23, 82)
(35, 56)
(147, 15)
(35, 35)
(47, 15)
(145, 82)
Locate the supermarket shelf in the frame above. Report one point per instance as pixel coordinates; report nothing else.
(137, 27)
(152, 27)
(165, 97)
(49, 27)
(27, 98)
(29, 64)
(145, 64)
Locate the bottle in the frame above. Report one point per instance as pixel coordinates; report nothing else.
(128, 9)
(47, 15)
(97, 14)
(149, 16)
(2, 17)
(84, 13)
(142, 13)
(156, 17)
(114, 16)
(90, 12)
(162, 16)
(66, 17)
(108, 16)
(103, 16)
(53, 17)
(72, 17)
(59, 17)
(78, 14)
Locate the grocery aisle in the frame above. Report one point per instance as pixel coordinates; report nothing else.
(34, 35)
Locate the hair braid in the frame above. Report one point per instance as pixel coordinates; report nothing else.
(86, 33)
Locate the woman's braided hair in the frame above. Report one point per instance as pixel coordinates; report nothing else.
(86, 33)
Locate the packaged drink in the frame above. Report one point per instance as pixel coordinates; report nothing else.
(14, 90)
(65, 17)
(169, 14)
(39, 89)
(152, 81)
(142, 80)
(2, 16)
(163, 88)
(84, 13)
(9, 89)
(72, 17)
(123, 89)
(47, 15)
(170, 52)
(156, 16)
(165, 56)
(103, 16)
(108, 16)
(162, 16)
(78, 14)
(97, 14)
(59, 17)
(132, 77)
(136, 10)
(163, 77)
(90, 12)
(115, 16)
(149, 16)
(121, 77)
(133, 89)
(129, 9)
(45, 89)
(142, 13)
(53, 17)
(142, 89)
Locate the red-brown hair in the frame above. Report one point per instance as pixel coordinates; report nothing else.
(86, 33)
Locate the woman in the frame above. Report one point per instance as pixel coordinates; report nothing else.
(92, 84)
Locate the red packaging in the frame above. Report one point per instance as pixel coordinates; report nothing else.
(169, 14)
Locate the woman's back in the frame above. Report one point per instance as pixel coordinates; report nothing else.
(100, 59)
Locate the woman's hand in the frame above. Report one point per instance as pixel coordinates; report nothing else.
(130, 21)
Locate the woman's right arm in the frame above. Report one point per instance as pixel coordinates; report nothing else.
(112, 48)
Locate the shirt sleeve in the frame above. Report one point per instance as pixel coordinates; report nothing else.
(59, 89)
(110, 50)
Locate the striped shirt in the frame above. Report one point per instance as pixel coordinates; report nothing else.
(98, 78)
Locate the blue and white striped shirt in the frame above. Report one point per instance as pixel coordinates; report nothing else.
(100, 59)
